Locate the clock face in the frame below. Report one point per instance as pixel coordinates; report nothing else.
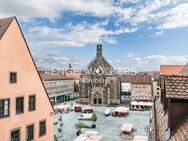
(99, 71)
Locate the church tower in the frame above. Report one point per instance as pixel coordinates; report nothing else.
(99, 84)
(99, 50)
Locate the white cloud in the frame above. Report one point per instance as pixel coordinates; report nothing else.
(158, 33)
(73, 35)
(53, 59)
(175, 17)
(51, 9)
(125, 15)
(123, 11)
(151, 62)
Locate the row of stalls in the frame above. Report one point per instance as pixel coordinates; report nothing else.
(62, 108)
(141, 106)
(127, 132)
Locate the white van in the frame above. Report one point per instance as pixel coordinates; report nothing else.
(107, 112)
(85, 117)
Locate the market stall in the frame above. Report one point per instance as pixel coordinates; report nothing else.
(140, 138)
(120, 111)
(140, 105)
(89, 136)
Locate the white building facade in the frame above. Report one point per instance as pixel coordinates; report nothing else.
(59, 87)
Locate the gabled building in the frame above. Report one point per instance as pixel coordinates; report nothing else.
(99, 83)
(25, 109)
(170, 112)
(139, 85)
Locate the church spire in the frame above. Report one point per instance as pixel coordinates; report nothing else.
(99, 50)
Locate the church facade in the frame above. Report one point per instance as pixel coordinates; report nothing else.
(99, 83)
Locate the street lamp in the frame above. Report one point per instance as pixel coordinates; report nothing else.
(71, 105)
(146, 129)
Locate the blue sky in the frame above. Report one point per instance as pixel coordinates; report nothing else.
(140, 34)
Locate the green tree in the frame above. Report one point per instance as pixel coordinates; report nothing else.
(94, 118)
(76, 87)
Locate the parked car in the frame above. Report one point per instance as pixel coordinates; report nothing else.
(85, 117)
(77, 108)
(107, 112)
(88, 110)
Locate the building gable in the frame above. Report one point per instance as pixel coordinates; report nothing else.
(16, 57)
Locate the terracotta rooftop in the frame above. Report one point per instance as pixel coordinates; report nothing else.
(74, 74)
(170, 69)
(176, 87)
(137, 79)
(48, 76)
(181, 134)
(162, 120)
(126, 78)
(4, 24)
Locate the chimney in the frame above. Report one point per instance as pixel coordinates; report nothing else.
(99, 50)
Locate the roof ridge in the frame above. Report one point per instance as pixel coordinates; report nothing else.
(4, 24)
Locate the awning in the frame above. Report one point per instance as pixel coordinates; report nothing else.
(141, 103)
(148, 104)
(140, 138)
(127, 128)
(61, 106)
(122, 110)
(134, 103)
(89, 136)
(67, 94)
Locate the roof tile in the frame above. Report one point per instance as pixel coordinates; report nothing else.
(4, 24)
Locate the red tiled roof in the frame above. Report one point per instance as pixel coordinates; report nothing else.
(48, 76)
(181, 134)
(137, 79)
(162, 120)
(176, 87)
(4, 24)
(141, 79)
(170, 69)
(126, 78)
(75, 75)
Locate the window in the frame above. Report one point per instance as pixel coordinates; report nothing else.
(29, 132)
(15, 135)
(42, 128)
(4, 108)
(32, 103)
(19, 105)
(13, 77)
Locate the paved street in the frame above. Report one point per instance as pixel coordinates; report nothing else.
(109, 127)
